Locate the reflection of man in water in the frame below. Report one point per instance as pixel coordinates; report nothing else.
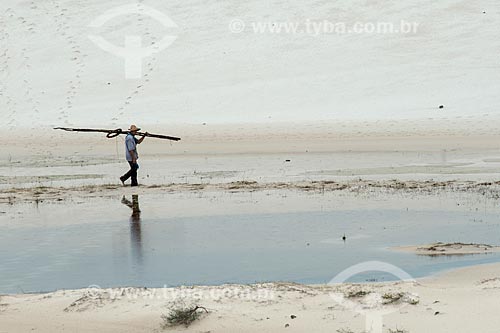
(135, 226)
(134, 205)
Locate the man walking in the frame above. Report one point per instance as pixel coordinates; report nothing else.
(131, 155)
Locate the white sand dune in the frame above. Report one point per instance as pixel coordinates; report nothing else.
(53, 74)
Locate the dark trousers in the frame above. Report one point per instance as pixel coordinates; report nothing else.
(132, 174)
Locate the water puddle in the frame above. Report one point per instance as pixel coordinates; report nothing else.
(142, 249)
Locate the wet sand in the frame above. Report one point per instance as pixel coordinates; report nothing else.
(45, 193)
(406, 151)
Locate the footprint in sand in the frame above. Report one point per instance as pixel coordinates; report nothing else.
(62, 21)
(146, 77)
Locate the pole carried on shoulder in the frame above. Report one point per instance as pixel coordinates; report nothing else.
(114, 133)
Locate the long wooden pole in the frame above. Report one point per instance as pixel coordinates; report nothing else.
(113, 133)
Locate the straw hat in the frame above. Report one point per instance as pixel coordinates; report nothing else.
(134, 128)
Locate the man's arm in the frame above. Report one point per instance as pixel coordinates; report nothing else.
(142, 138)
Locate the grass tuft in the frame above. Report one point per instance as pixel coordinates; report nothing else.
(182, 316)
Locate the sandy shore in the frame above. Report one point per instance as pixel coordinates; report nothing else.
(464, 300)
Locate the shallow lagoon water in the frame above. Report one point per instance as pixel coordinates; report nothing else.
(304, 247)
